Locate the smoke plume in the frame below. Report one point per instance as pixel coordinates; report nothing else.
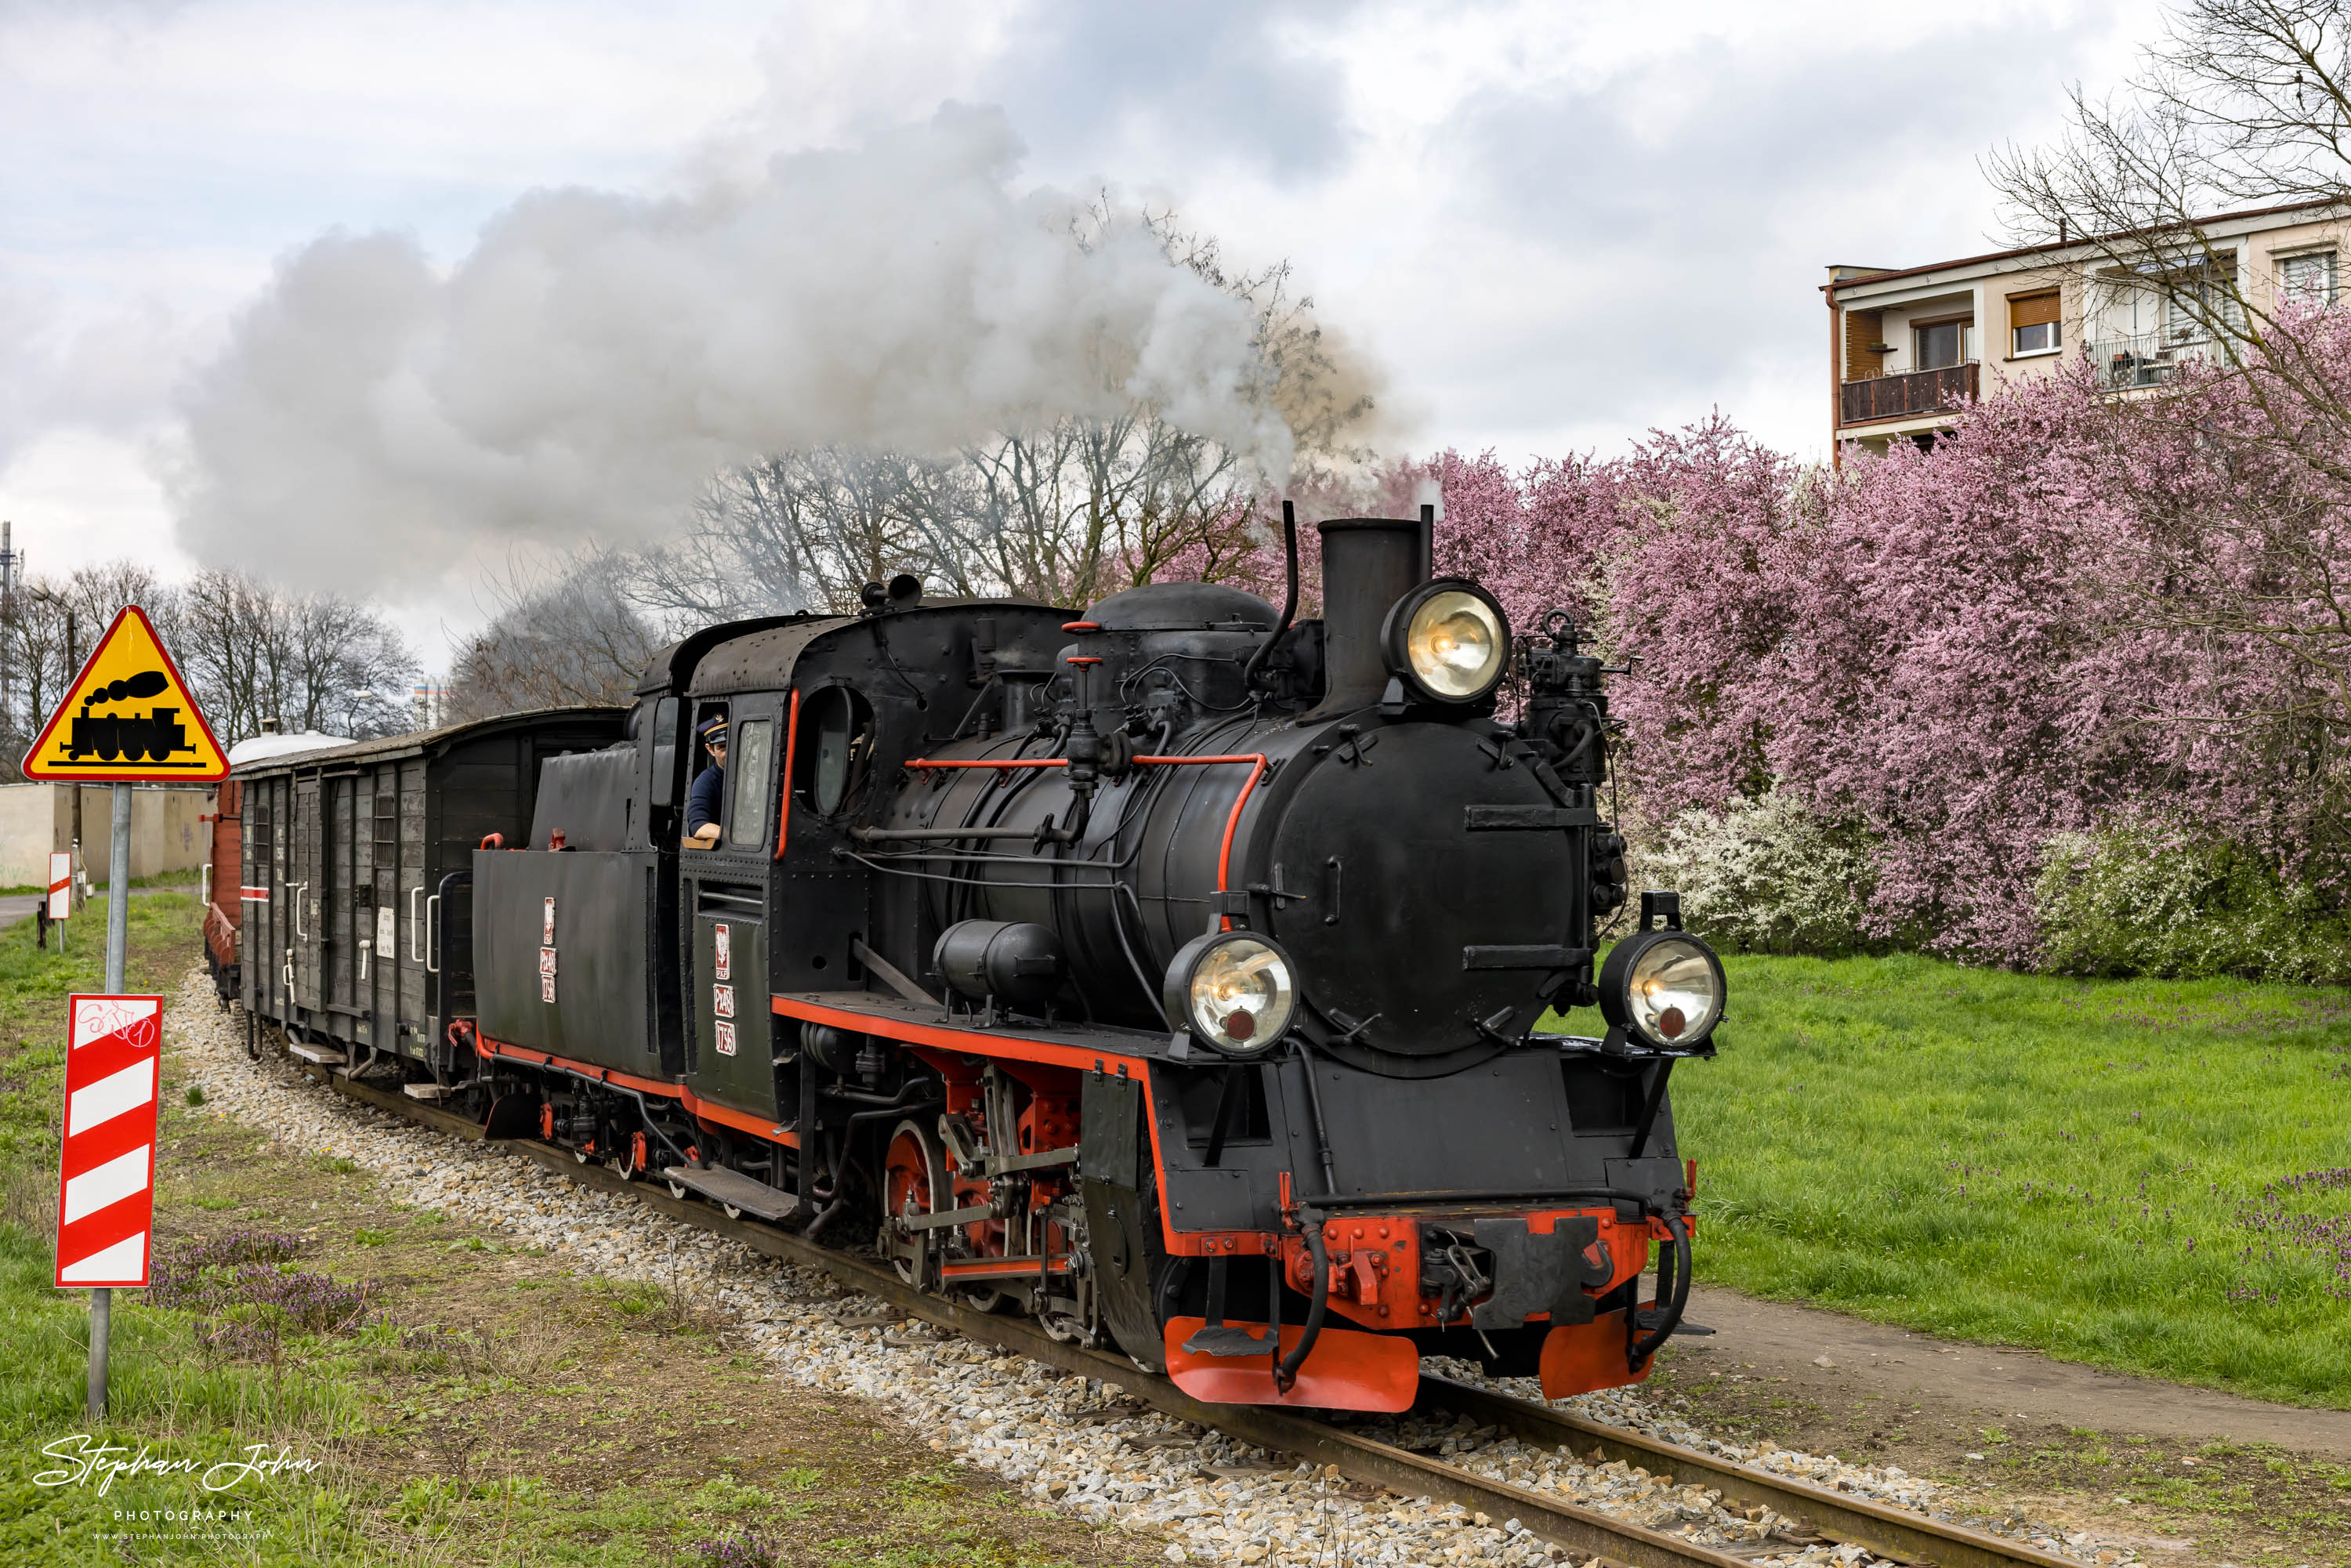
(597, 357)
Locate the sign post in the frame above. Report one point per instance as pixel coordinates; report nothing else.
(56, 904)
(106, 1191)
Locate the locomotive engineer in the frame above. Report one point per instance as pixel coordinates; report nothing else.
(702, 804)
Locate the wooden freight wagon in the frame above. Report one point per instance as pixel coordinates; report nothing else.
(355, 863)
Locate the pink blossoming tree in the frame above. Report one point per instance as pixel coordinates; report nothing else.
(2074, 615)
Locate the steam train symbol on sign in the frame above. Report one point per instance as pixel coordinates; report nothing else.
(158, 733)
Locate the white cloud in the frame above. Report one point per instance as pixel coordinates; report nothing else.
(1562, 224)
(79, 497)
(583, 370)
(1556, 223)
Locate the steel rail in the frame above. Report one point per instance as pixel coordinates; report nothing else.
(1887, 1531)
(1884, 1532)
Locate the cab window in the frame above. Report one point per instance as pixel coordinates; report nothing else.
(746, 780)
(664, 749)
(833, 742)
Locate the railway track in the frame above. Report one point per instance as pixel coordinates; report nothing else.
(1824, 1514)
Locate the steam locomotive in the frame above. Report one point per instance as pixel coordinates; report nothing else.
(1169, 971)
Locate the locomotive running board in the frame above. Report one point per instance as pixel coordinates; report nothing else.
(735, 1190)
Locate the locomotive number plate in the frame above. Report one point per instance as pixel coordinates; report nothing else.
(722, 1000)
(723, 1033)
(722, 958)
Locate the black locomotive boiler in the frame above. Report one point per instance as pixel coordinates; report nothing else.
(1168, 971)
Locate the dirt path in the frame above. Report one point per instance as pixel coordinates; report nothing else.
(2186, 1475)
(1784, 1341)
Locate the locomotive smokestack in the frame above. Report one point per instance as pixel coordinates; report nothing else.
(1368, 563)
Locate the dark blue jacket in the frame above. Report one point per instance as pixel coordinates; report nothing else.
(704, 802)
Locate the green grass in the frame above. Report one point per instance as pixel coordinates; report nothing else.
(2089, 1169)
(168, 1399)
(34, 984)
(608, 1425)
(191, 877)
(165, 1395)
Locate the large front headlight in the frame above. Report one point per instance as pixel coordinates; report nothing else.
(1233, 990)
(1663, 988)
(1450, 639)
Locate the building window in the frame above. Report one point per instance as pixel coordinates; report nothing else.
(2033, 323)
(1945, 344)
(2307, 278)
(2199, 300)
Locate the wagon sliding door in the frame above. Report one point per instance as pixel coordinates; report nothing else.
(305, 888)
(380, 949)
(409, 926)
(340, 888)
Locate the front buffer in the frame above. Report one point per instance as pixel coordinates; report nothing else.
(1505, 1214)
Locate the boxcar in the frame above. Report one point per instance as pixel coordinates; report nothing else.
(352, 862)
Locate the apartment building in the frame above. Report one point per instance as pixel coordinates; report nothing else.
(1906, 345)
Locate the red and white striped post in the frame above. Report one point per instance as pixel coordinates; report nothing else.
(57, 903)
(106, 1178)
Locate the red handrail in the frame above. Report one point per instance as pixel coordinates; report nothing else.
(1232, 819)
(1256, 757)
(922, 762)
(784, 805)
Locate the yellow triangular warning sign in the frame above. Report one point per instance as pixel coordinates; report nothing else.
(128, 718)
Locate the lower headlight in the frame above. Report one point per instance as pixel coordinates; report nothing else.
(1233, 990)
(1663, 988)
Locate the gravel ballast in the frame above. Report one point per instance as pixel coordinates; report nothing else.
(1071, 1443)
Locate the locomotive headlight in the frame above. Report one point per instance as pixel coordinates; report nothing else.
(1233, 990)
(1663, 988)
(1450, 639)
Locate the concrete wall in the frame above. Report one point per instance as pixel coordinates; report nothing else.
(165, 834)
(28, 823)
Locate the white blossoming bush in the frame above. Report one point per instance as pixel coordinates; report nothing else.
(1765, 876)
(2149, 901)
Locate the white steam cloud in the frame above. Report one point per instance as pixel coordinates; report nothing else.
(375, 421)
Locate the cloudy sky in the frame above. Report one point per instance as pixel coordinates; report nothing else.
(1552, 225)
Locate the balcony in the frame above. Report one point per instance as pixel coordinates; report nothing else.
(1905, 396)
(2148, 358)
